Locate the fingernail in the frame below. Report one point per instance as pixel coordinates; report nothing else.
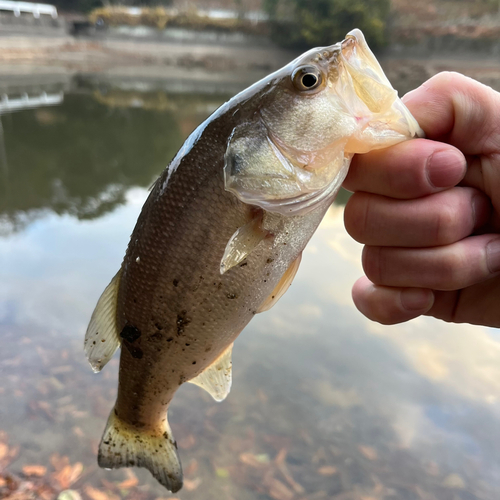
(409, 95)
(493, 255)
(416, 299)
(446, 168)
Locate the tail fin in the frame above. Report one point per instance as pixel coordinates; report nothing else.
(124, 445)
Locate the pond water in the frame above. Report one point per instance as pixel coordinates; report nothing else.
(324, 404)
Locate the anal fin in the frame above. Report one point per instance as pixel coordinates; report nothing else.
(124, 445)
(216, 379)
(102, 338)
(282, 286)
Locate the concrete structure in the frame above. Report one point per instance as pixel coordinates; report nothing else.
(33, 8)
(18, 103)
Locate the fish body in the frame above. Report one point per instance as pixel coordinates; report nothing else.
(221, 234)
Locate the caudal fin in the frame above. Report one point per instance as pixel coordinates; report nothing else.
(123, 445)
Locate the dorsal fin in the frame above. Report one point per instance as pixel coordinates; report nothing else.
(216, 378)
(282, 286)
(102, 338)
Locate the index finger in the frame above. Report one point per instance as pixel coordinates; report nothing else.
(407, 170)
(453, 108)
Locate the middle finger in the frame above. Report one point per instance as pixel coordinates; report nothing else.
(435, 220)
(407, 170)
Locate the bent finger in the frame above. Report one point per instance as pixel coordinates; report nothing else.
(453, 108)
(390, 305)
(407, 170)
(451, 267)
(436, 220)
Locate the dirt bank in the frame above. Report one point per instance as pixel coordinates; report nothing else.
(231, 66)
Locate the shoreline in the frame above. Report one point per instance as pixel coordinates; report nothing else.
(216, 67)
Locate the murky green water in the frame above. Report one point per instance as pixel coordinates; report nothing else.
(324, 403)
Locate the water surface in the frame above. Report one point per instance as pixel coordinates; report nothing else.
(324, 404)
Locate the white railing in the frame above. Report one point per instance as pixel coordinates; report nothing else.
(34, 8)
(26, 102)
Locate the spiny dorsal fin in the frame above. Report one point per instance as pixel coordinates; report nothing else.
(123, 445)
(216, 379)
(102, 338)
(241, 243)
(282, 286)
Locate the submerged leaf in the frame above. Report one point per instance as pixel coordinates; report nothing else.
(34, 470)
(95, 494)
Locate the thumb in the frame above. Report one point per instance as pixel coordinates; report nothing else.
(460, 111)
(453, 108)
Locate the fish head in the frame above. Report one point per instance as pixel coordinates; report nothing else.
(311, 117)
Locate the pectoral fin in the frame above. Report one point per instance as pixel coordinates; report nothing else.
(241, 243)
(216, 379)
(282, 286)
(102, 338)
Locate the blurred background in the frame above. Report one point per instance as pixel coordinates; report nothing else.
(95, 99)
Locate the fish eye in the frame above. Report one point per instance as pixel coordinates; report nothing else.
(306, 78)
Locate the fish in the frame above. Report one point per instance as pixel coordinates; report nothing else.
(221, 234)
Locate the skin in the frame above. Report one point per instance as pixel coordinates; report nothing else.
(427, 211)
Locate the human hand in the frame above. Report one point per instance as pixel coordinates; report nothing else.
(428, 212)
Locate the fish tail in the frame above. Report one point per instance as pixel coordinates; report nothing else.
(124, 445)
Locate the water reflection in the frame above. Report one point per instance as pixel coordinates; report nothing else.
(25, 101)
(324, 404)
(81, 157)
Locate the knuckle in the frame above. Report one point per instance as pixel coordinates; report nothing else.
(445, 225)
(372, 264)
(356, 216)
(451, 271)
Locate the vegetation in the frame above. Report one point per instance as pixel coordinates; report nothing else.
(159, 17)
(307, 23)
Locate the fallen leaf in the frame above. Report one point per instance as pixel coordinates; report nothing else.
(192, 484)
(187, 442)
(280, 462)
(58, 462)
(191, 468)
(68, 475)
(78, 432)
(278, 490)
(222, 472)
(130, 482)
(327, 470)
(94, 493)
(4, 449)
(369, 452)
(254, 460)
(34, 470)
(108, 484)
(281, 457)
(69, 495)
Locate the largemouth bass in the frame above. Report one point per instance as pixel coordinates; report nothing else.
(220, 236)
